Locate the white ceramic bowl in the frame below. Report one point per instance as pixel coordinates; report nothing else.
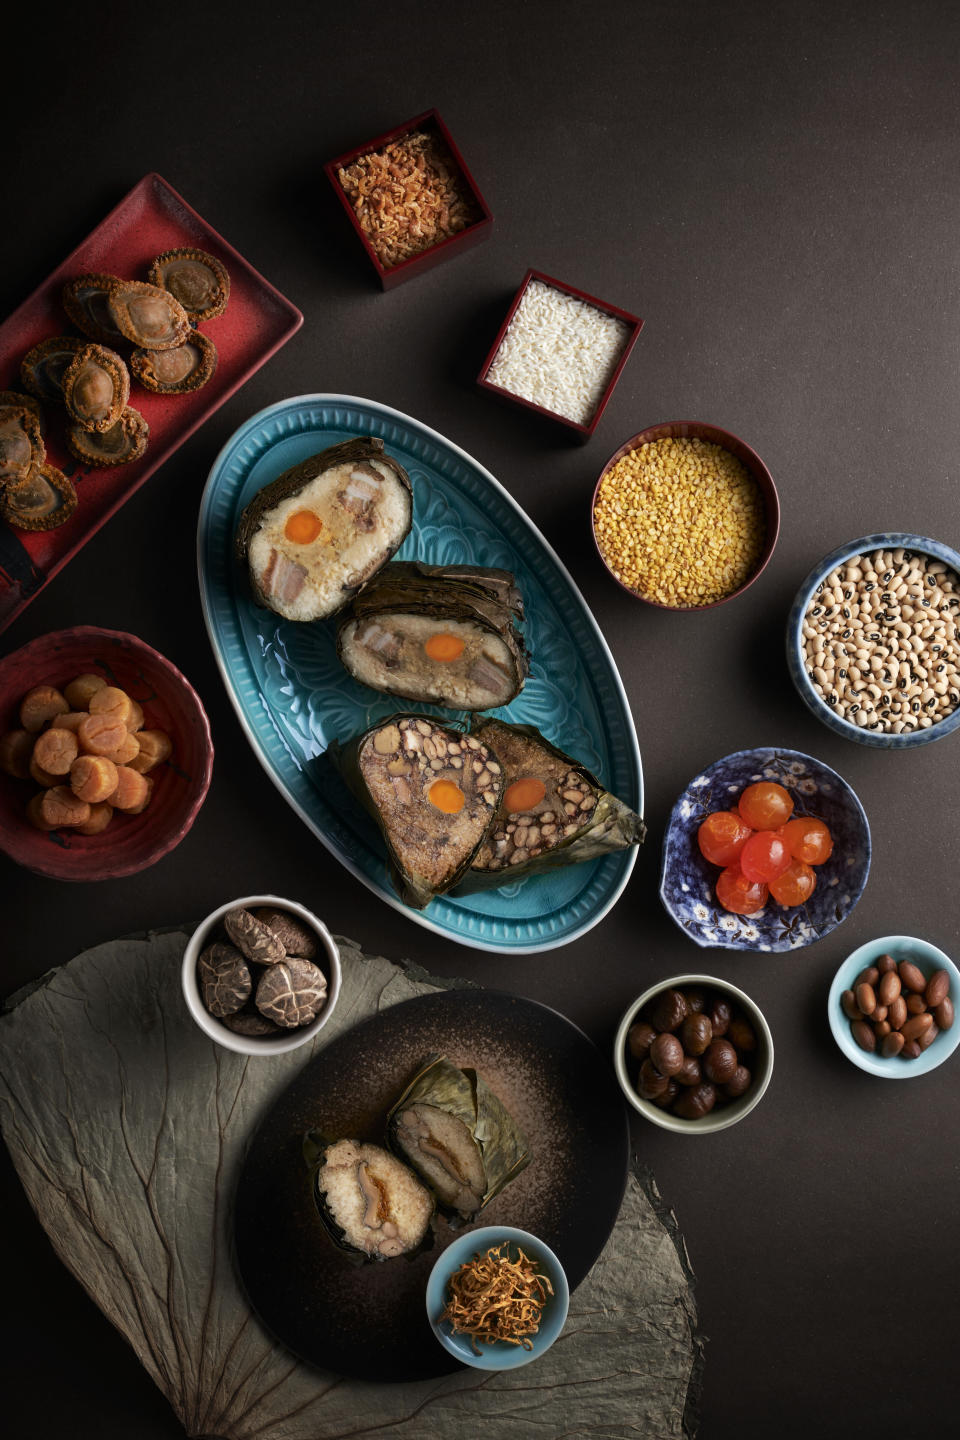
(328, 961)
(722, 1116)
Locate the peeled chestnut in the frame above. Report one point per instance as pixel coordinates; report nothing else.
(741, 1034)
(651, 1085)
(689, 1072)
(665, 1101)
(720, 1015)
(668, 1010)
(696, 1102)
(719, 1061)
(639, 1039)
(696, 1032)
(738, 1084)
(666, 1052)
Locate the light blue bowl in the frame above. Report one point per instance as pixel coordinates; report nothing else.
(886, 540)
(688, 881)
(498, 1356)
(927, 958)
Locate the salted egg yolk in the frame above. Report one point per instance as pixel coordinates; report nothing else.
(444, 647)
(302, 527)
(447, 797)
(524, 794)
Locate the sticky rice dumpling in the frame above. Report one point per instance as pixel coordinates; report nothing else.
(370, 1201)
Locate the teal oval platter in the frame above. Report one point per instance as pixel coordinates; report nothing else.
(293, 696)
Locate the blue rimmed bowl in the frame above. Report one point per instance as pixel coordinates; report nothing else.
(499, 1356)
(927, 959)
(687, 880)
(885, 540)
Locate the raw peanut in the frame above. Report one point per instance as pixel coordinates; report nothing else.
(889, 987)
(916, 1004)
(943, 1015)
(916, 1025)
(863, 1034)
(850, 1007)
(101, 734)
(927, 1038)
(70, 721)
(870, 976)
(35, 811)
(132, 792)
(897, 1012)
(865, 997)
(886, 963)
(882, 1028)
(155, 747)
(892, 1044)
(938, 988)
(910, 1050)
(16, 747)
(60, 806)
(136, 717)
(879, 1014)
(127, 750)
(39, 705)
(912, 978)
(55, 751)
(82, 690)
(100, 817)
(93, 778)
(112, 701)
(43, 777)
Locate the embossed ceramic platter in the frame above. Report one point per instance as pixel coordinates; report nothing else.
(293, 697)
(370, 1319)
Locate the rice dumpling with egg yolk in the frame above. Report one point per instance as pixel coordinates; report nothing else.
(372, 1203)
(316, 535)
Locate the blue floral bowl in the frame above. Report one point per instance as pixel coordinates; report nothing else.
(886, 540)
(687, 880)
(500, 1355)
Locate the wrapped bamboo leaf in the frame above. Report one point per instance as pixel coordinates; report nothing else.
(456, 1133)
(433, 792)
(553, 812)
(315, 535)
(442, 634)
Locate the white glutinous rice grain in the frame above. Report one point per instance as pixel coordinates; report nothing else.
(559, 352)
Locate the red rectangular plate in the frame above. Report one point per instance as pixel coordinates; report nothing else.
(257, 322)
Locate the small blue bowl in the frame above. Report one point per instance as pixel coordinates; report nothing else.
(927, 958)
(498, 1356)
(886, 540)
(687, 880)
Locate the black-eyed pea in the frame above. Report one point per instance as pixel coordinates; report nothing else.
(100, 817)
(93, 778)
(16, 748)
(55, 751)
(82, 690)
(60, 807)
(111, 700)
(39, 706)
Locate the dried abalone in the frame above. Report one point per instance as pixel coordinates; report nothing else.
(123, 442)
(86, 301)
(96, 387)
(21, 444)
(29, 402)
(198, 281)
(44, 499)
(148, 316)
(41, 369)
(175, 372)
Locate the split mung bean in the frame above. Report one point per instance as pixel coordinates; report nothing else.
(881, 640)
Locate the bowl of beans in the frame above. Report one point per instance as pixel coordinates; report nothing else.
(892, 1007)
(873, 640)
(685, 515)
(693, 1054)
(105, 755)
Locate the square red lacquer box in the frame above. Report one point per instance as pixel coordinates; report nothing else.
(634, 326)
(472, 234)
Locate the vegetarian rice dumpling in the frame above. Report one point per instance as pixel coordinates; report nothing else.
(370, 1201)
(433, 792)
(456, 1133)
(553, 811)
(314, 536)
(444, 634)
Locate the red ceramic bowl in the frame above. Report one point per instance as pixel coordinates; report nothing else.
(697, 430)
(130, 842)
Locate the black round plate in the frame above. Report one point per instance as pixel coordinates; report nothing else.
(369, 1319)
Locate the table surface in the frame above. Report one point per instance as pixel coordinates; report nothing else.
(773, 187)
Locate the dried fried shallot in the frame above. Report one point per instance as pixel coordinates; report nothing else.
(495, 1298)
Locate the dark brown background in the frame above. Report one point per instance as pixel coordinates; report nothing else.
(773, 186)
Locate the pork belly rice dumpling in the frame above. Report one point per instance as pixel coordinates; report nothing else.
(553, 811)
(370, 1201)
(433, 792)
(456, 1133)
(314, 536)
(443, 634)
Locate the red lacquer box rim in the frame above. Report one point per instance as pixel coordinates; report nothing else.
(634, 321)
(443, 249)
